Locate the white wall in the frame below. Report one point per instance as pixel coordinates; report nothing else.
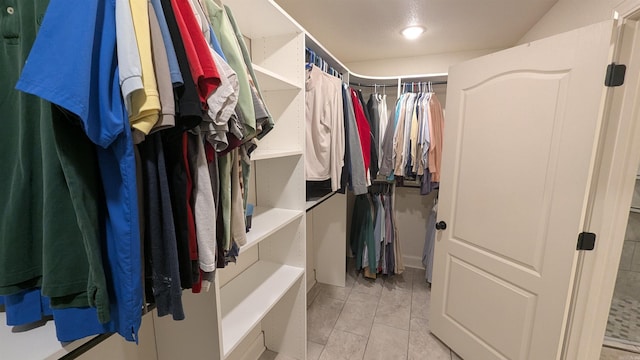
(429, 64)
(412, 212)
(567, 15)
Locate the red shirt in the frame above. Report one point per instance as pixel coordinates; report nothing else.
(364, 130)
(203, 68)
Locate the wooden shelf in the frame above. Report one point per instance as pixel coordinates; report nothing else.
(271, 81)
(262, 18)
(249, 297)
(259, 154)
(266, 221)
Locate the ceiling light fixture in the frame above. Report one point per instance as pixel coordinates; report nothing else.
(412, 32)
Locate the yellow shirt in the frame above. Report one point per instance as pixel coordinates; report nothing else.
(145, 104)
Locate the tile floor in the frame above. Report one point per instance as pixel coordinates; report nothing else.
(616, 354)
(382, 319)
(624, 319)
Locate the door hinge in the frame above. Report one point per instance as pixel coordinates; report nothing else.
(615, 75)
(586, 241)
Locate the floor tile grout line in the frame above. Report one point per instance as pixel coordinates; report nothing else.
(324, 347)
(372, 320)
(413, 282)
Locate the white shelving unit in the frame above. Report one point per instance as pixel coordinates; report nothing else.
(250, 297)
(259, 154)
(271, 81)
(260, 301)
(267, 221)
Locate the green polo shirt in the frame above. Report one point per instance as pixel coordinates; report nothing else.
(42, 184)
(224, 31)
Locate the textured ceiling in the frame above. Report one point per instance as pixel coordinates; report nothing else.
(361, 30)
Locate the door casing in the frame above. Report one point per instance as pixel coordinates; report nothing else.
(610, 198)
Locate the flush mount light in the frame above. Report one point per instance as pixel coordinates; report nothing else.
(412, 32)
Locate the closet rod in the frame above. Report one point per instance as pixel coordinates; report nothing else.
(404, 82)
(422, 82)
(370, 86)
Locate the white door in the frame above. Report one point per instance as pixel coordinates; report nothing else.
(521, 134)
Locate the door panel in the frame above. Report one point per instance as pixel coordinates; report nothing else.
(520, 139)
(497, 139)
(510, 338)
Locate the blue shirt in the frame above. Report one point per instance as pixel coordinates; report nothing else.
(215, 43)
(26, 307)
(71, 324)
(73, 64)
(174, 69)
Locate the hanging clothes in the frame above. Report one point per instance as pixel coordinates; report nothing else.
(412, 143)
(364, 133)
(374, 237)
(379, 104)
(263, 117)
(167, 117)
(161, 253)
(52, 73)
(362, 238)
(174, 78)
(224, 31)
(373, 125)
(188, 107)
(436, 129)
(429, 243)
(145, 104)
(353, 172)
(324, 131)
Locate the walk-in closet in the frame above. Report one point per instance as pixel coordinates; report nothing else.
(320, 180)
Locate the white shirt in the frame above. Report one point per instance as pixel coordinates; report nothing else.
(205, 214)
(324, 117)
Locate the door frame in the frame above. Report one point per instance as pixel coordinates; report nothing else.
(607, 214)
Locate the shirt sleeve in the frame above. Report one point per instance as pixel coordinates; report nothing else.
(57, 69)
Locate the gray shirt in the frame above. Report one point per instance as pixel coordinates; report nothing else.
(354, 150)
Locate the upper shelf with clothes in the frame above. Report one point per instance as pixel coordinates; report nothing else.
(399, 83)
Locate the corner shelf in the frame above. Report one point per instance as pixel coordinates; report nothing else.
(260, 154)
(271, 81)
(267, 221)
(247, 299)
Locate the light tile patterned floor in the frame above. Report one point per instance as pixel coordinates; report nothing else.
(615, 354)
(367, 320)
(624, 319)
(388, 319)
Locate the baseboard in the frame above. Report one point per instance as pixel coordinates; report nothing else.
(413, 261)
(311, 284)
(255, 349)
(251, 347)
